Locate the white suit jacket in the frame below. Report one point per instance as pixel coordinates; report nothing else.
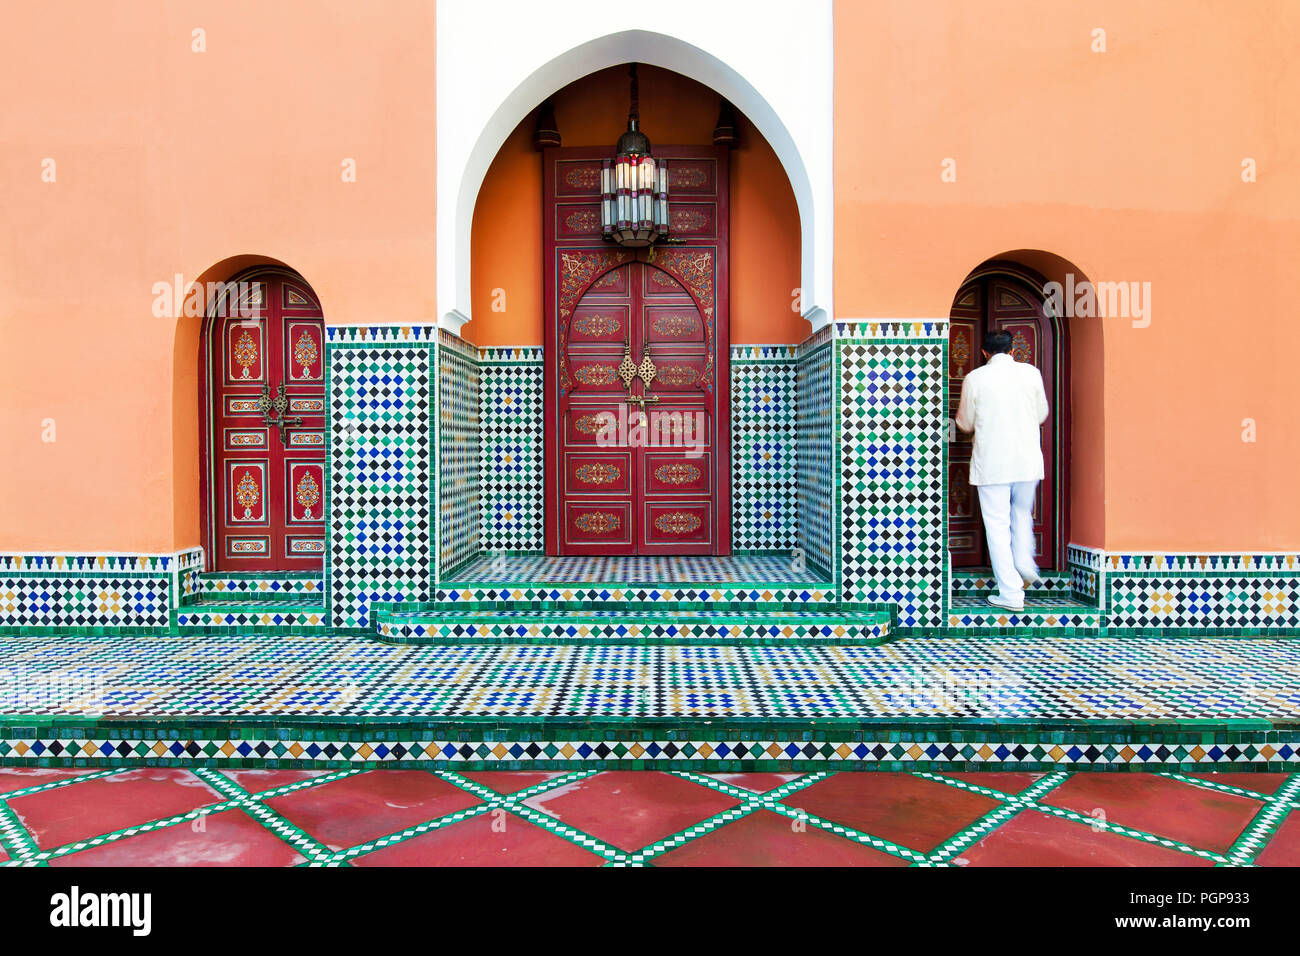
(1004, 403)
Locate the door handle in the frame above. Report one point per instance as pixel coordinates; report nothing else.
(642, 401)
(280, 404)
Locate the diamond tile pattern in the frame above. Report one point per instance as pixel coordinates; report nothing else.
(764, 500)
(815, 437)
(891, 449)
(640, 818)
(511, 450)
(459, 442)
(230, 676)
(381, 482)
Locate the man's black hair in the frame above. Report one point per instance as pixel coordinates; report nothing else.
(999, 340)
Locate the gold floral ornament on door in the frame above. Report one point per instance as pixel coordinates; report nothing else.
(1020, 350)
(307, 493)
(247, 493)
(245, 352)
(677, 522)
(305, 353)
(597, 473)
(597, 522)
(677, 473)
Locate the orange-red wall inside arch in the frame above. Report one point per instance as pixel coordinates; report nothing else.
(506, 250)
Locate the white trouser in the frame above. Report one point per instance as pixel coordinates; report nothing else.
(1009, 524)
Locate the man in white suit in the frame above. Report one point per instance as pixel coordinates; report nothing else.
(1003, 402)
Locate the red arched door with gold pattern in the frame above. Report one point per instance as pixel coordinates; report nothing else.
(264, 426)
(637, 372)
(986, 303)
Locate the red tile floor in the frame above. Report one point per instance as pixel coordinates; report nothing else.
(151, 817)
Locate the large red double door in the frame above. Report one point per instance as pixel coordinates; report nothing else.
(983, 304)
(636, 368)
(264, 475)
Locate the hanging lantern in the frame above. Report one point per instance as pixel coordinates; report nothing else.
(634, 188)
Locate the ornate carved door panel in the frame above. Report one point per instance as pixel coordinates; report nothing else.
(264, 418)
(965, 528)
(636, 367)
(1001, 302)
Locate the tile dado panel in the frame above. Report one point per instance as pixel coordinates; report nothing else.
(94, 593)
(458, 451)
(891, 428)
(764, 449)
(1197, 593)
(381, 470)
(765, 502)
(511, 479)
(815, 454)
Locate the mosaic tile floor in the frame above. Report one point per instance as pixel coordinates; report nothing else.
(166, 816)
(259, 676)
(756, 569)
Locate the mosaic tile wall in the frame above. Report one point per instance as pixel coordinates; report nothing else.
(189, 567)
(1190, 593)
(381, 481)
(765, 505)
(764, 449)
(814, 436)
(1084, 565)
(874, 390)
(891, 450)
(94, 593)
(511, 482)
(458, 443)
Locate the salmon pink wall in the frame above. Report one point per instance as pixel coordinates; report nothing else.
(170, 161)
(1128, 164)
(1125, 164)
(506, 249)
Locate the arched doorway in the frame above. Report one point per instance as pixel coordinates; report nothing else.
(1004, 296)
(637, 369)
(262, 408)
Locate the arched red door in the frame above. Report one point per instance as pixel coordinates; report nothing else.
(264, 426)
(637, 366)
(983, 304)
(635, 426)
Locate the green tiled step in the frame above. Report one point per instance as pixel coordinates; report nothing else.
(634, 596)
(627, 626)
(200, 601)
(299, 611)
(981, 580)
(1045, 612)
(239, 588)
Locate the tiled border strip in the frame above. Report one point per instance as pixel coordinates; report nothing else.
(634, 627)
(681, 744)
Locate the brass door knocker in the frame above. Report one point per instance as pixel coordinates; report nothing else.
(280, 404)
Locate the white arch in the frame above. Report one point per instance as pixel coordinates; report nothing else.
(497, 59)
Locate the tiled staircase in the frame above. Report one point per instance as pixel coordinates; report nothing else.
(586, 612)
(221, 601)
(537, 599)
(606, 624)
